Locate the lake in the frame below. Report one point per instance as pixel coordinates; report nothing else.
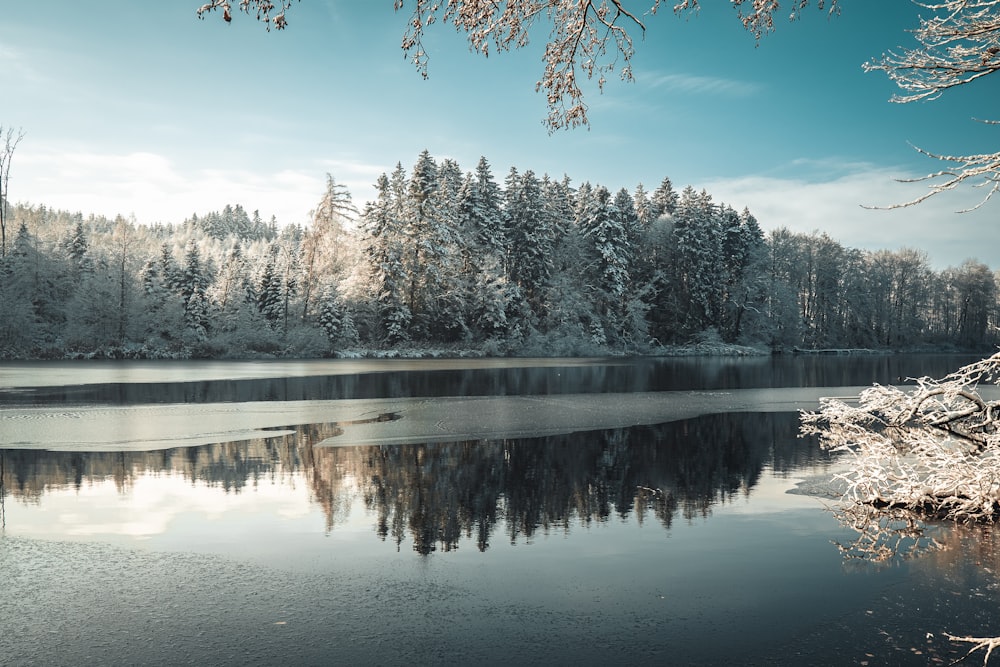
(494, 511)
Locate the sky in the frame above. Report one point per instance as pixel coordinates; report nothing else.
(139, 108)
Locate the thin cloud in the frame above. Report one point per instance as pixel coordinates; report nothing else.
(700, 85)
(17, 64)
(835, 206)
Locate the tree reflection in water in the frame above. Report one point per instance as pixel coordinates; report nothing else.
(438, 495)
(887, 536)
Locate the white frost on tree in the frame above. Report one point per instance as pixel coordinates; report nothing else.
(934, 449)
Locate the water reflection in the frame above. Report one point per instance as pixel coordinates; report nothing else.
(437, 495)
(138, 383)
(888, 536)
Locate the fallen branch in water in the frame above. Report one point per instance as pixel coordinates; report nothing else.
(934, 449)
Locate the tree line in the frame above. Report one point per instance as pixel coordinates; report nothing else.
(446, 258)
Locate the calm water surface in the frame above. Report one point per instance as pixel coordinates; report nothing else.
(659, 529)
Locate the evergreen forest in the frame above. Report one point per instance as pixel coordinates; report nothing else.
(455, 262)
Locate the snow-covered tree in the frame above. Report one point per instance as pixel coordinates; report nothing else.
(607, 232)
(483, 251)
(664, 199)
(326, 256)
(270, 292)
(18, 325)
(192, 288)
(443, 256)
(698, 260)
(336, 319)
(76, 246)
(385, 246)
(530, 237)
(645, 212)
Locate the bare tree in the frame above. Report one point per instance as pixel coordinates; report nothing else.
(10, 141)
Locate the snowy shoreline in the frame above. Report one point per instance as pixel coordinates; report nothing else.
(188, 354)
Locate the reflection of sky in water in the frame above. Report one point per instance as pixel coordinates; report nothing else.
(169, 510)
(162, 505)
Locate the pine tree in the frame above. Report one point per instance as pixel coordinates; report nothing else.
(269, 293)
(742, 269)
(382, 222)
(444, 255)
(664, 200)
(77, 248)
(170, 272)
(18, 324)
(605, 228)
(644, 210)
(699, 267)
(419, 205)
(530, 231)
(485, 213)
(336, 320)
(192, 290)
(483, 249)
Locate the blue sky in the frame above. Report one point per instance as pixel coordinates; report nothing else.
(140, 108)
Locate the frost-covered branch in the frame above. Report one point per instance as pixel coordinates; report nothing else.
(980, 644)
(267, 12)
(579, 34)
(934, 449)
(958, 45)
(587, 39)
(982, 170)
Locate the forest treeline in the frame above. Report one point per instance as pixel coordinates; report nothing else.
(449, 259)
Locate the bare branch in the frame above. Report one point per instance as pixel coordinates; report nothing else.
(984, 168)
(10, 141)
(959, 44)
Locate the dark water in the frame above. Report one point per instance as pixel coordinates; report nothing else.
(127, 383)
(675, 543)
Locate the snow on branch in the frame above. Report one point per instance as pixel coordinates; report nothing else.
(263, 9)
(587, 39)
(984, 168)
(934, 450)
(979, 644)
(958, 45)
